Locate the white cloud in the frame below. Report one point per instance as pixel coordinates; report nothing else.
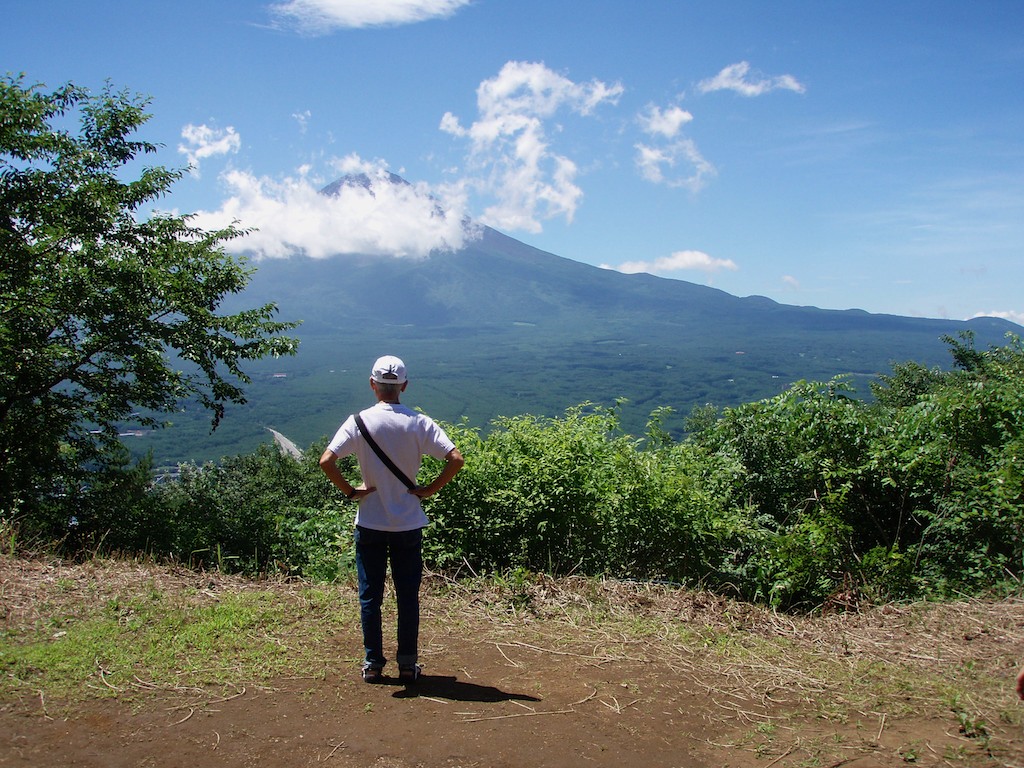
(736, 77)
(664, 122)
(676, 164)
(1013, 317)
(790, 282)
(202, 142)
(302, 118)
(321, 17)
(292, 216)
(510, 156)
(667, 158)
(678, 261)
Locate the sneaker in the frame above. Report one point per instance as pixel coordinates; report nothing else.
(409, 673)
(372, 674)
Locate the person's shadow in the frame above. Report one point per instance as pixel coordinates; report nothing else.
(445, 687)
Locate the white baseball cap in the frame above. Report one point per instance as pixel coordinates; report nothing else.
(388, 370)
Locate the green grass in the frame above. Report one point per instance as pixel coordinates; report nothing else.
(169, 640)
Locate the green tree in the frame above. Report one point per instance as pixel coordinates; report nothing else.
(108, 314)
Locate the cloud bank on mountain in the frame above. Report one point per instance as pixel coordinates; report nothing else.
(293, 217)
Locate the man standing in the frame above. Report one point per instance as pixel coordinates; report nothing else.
(390, 519)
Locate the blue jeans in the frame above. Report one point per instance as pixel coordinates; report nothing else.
(404, 549)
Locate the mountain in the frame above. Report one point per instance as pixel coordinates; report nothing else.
(499, 328)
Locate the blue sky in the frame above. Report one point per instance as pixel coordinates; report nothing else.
(836, 154)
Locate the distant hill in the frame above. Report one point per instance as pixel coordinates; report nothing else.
(501, 328)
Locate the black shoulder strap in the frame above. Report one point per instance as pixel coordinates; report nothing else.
(383, 456)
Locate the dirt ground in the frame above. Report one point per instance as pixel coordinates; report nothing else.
(514, 693)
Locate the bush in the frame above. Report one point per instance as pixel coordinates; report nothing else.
(576, 495)
(916, 494)
(249, 512)
(957, 455)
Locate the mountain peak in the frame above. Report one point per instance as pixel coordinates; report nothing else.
(364, 181)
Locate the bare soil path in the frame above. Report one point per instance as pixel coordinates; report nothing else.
(556, 674)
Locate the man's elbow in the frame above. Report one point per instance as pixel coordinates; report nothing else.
(455, 459)
(327, 460)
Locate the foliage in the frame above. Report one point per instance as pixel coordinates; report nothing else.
(259, 511)
(575, 495)
(95, 298)
(957, 457)
(800, 453)
(919, 493)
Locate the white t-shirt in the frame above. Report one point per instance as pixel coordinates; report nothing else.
(405, 436)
